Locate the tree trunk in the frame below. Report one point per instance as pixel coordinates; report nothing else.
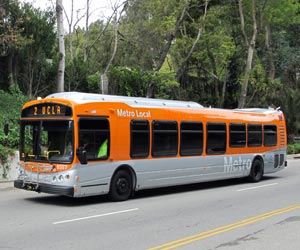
(87, 35)
(270, 57)
(250, 46)
(70, 31)
(221, 103)
(61, 46)
(244, 87)
(104, 81)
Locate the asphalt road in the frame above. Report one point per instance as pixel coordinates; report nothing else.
(225, 215)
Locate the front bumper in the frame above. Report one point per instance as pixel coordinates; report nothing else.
(45, 188)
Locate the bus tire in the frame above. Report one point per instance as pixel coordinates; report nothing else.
(120, 186)
(257, 171)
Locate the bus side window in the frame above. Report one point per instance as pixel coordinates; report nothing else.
(164, 138)
(270, 135)
(94, 137)
(191, 138)
(237, 136)
(139, 138)
(216, 138)
(254, 135)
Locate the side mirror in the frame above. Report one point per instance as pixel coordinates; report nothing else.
(6, 129)
(81, 154)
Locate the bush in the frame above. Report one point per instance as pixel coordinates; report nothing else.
(11, 103)
(293, 148)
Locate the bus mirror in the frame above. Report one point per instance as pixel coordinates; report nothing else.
(6, 129)
(81, 154)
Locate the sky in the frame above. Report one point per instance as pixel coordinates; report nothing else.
(99, 9)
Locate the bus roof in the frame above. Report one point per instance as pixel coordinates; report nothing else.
(260, 110)
(80, 97)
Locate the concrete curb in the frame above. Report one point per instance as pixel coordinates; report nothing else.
(293, 156)
(6, 184)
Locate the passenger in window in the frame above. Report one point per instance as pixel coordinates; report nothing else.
(102, 153)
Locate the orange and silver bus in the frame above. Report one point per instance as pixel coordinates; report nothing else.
(82, 144)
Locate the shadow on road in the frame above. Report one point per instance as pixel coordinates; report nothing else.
(195, 187)
(143, 194)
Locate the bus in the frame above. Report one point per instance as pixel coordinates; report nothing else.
(83, 144)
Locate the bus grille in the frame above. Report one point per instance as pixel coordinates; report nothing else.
(282, 136)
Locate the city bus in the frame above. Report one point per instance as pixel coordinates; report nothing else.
(83, 144)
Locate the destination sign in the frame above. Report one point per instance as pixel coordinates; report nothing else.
(47, 109)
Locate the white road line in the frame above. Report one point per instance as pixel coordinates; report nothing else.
(95, 216)
(246, 189)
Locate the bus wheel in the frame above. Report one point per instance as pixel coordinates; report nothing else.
(257, 171)
(121, 186)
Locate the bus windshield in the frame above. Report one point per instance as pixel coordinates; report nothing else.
(47, 141)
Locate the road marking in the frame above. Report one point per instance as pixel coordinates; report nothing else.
(223, 229)
(267, 185)
(95, 216)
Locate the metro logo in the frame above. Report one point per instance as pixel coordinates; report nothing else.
(236, 165)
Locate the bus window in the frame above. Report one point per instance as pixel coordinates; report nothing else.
(191, 138)
(270, 135)
(254, 135)
(165, 138)
(47, 141)
(139, 139)
(94, 137)
(29, 139)
(237, 135)
(216, 138)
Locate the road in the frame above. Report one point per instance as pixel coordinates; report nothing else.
(225, 215)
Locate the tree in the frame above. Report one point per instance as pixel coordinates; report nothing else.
(61, 46)
(35, 61)
(10, 29)
(104, 79)
(250, 48)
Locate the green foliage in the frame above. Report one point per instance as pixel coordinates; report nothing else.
(93, 82)
(293, 148)
(128, 82)
(11, 103)
(134, 82)
(76, 76)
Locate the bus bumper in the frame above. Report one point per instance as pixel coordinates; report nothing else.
(45, 188)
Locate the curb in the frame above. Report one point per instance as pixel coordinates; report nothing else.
(293, 156)
(6, 184)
